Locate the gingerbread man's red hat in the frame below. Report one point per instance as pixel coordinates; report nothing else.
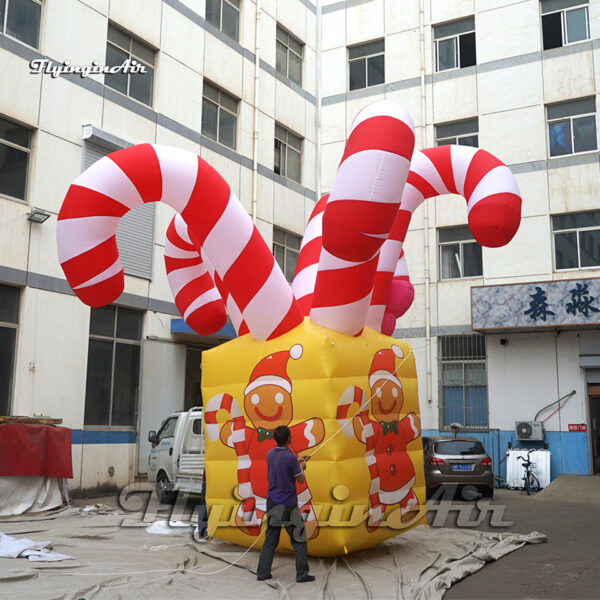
(271, 370)
(383, 366)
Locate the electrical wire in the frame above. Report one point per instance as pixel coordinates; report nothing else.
(567, 396)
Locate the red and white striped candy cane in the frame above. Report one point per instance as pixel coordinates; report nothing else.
(101, 195)
(354, 395)
(193, 288)
(360, 213)
(199, 293)
(238, 439)
(486, 183)
(303, 285)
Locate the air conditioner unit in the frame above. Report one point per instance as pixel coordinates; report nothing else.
(529, 431)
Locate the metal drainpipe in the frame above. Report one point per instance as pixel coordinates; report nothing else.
(318, 110)
(256, 110)
(426, 215)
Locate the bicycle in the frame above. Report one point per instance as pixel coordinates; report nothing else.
(531, 482)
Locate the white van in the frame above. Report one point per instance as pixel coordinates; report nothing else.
(176, 461)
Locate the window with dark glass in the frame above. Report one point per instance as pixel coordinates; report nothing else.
(455, 45)
(286, 247)
(113, 370)
(366, 63)
(463, 133)
(219, 115)
(463, 380)
(289, 56)
(288, 153)
(576, 240)
(21, 19)
(460, 254)
(564, 22)
(225, 15)
(572, 127)
(121, 47)
(15, 144)
(9, 318)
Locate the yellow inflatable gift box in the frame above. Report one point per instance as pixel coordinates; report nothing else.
(364, 482)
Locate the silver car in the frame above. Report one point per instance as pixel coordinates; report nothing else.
(457, 461)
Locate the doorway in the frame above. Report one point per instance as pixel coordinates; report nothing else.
(193, 378)
(594, 399)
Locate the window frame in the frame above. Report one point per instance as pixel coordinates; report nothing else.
(461, 243)
(455, 140)
(28, 150)
(220, 107)
(114, 340)
(564, 27)
(575, 230)
(14, 326)
(3, 30)
(285, 144)
(463, 361)
(220, 25)
(457, 51)
(365, 58)
(286, 248)
(289, 50)
(131, 56)
(570, 119)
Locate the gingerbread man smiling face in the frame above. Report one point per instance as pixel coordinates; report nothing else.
(268, 397)
(386, 389)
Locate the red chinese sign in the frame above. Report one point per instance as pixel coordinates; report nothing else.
(577, 427)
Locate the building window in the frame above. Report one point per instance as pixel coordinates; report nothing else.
(463, 380)
(463, 133)
(288, 153)
(289, 56)
(572, 127)
(460, 254)
(286, 247)
(121, 47)
(113, 370)
(564, 22)
(576, 240)
(366, 64)
(9, 317)
(15, 144)
(20, 19)
(219, 115)
(455, 45)
(225, 15)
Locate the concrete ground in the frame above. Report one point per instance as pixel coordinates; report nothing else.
(567, 566)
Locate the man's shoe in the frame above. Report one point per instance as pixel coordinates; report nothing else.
(264, 578)
(305, 579)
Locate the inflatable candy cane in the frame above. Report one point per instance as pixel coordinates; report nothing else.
(199, 293)
(360, 213)
(101, 195)
(303, 284)
(238, 441)
(351, 396)
(486, 183)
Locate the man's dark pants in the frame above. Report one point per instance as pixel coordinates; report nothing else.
(289, 517)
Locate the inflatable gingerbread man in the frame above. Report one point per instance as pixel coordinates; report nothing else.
(386, 437)
(268, 404)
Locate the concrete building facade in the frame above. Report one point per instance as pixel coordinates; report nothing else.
(265, 92)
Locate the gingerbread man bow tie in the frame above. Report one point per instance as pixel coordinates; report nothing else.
(264, 434)
(391, 426)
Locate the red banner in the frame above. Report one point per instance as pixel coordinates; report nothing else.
(27, 449)
(577, 427)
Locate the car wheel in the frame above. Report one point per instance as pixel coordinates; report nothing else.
(429, 491)
(487, 491)
(163, 489)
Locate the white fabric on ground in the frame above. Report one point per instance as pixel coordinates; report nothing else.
(29, 493)
(11, 547)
